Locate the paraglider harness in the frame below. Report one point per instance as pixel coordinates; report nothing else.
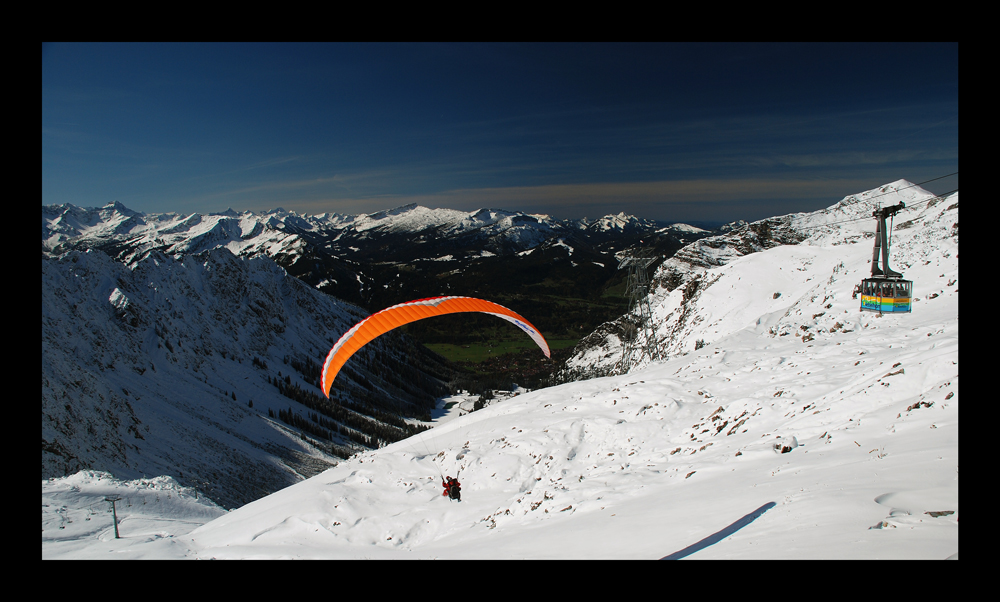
(452, 489)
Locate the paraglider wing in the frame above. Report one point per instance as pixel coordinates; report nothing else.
(404, 313)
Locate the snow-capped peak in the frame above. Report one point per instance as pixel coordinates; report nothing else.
(619, 222)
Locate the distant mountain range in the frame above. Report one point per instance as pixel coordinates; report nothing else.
(128, 234)
(563, 271)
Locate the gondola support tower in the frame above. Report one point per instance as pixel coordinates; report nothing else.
(637, 292)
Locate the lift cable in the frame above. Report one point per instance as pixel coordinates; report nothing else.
(913, 185)
(857, 219)
(893, 192)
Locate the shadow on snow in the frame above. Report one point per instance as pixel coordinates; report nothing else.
(720, 535)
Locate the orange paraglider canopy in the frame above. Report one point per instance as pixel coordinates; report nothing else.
(404, 313)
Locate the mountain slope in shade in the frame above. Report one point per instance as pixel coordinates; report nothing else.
(173, 367)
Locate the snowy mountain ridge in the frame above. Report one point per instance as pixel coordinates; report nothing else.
(279, 231)
(687, 311)
(388, 257)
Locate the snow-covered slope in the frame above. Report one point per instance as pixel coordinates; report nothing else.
(838, 440)
(766, 273)
(172, 366)
(78, 520)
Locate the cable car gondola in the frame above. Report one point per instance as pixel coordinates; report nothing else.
(885, 291)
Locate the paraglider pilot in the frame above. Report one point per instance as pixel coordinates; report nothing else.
(452, 488)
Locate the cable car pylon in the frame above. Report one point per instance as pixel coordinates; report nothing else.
(637, 292)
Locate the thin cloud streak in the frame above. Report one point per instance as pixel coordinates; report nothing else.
(673, 200)
(275, 189)
(702, 191)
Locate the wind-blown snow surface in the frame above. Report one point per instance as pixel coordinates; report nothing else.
(681, 458)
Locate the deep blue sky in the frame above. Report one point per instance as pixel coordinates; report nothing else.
(676, 132)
